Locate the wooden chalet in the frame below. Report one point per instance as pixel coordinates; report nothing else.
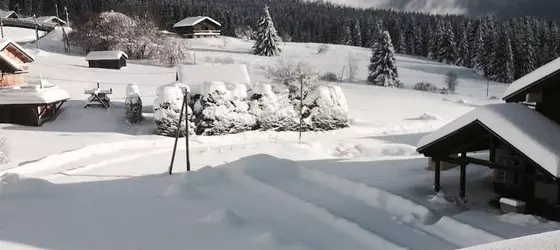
(107, 59)
(520, 140)
(14, 62)
(51, 20)
(8, 14)
(199, 26)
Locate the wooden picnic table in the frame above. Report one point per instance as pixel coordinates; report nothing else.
(99, 97)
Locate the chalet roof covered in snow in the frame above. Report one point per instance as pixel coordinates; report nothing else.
(105, 55)
(192, 21)
(525, 129)
(6, 13)
(43, 19)
(195, 75)
(27, 57)
(541, 76)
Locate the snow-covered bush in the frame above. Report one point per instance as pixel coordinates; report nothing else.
(451, 81)
(322, 48)
(426, 86)
(290, 74)
(167, 110)
(329, 77)
(221, 111)
(4, 150)
(171, 53)
(133, 104)
(326, 109)
(272, 111)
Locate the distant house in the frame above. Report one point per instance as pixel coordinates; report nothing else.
(14, 62)
(8, 14)
(51, 20)
(199, 26)
(107, 59)
(521, 138)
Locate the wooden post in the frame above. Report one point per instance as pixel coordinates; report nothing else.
(36, 30)
(2, 27)
(67, 20)
(56, 8)
(437, 186)
(300, 106)
(462, 193)
(492, 150)
(186, 103)
(177, 137)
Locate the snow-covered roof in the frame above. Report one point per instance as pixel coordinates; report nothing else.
(196, 75)
(524, 128)
(105, 55)
(6, 13)
(191, 21)
(533, 78)
(4, 43)
(32, 94)
(43, 19)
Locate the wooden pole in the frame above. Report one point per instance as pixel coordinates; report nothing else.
(177, 137)
(2, 27)
(67, 20)
(462, 192)
(36, 30)
(487, 87)
(300, 106)
(186, 103)
(437, 186)
(56, 8)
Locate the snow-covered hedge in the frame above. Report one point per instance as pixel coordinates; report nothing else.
(272, 111)
(4, 150)
(227, 108)
(220, 110)
(167, 110)
(133, 104)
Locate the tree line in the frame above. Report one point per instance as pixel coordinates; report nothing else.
(500, 49)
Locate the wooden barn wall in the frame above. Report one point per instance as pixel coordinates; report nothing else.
(11, 79)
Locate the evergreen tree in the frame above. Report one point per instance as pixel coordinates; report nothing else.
(503, 58)
(478, 59)
(526, 60)
(433, 46)
(346, 37)
(267, 40)
(357, 34)
(463, 53)
(447, 47)
(402, 46)
(383, 68)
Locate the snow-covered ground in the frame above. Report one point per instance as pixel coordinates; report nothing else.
(94, 182)
(21, 35)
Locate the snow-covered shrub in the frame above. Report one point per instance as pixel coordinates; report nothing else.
(329, 77)
(4, 150)
(291, 74)
(221, 111)
(133, 104)
(326, 109)
(451, 81)
(272, 111)
(167, 110)
(171, 53)
(426, 86)
(322, 48)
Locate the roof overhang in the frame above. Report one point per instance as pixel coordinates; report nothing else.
(534, 81)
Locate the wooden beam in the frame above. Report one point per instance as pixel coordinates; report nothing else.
(462, 192)
(471, 160)
(437, 186)
(492, 149)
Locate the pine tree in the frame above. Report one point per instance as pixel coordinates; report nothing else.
(402, 44)
(357, 34)
(346, 37)
(478, 59)
(488, 46)
(447, 47)
(463, 53)
(433, 46)
(383, 68)
(526, 60)
(503, 58)
(267, 40)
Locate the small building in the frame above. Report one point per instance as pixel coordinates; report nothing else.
(50, 20)
(199, 26)
(8, 14)
(107, 59)
(521, 138)
(14, 61)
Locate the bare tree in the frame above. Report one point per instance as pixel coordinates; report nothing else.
(171, 53)
(292, 74)
(352, 67)
(451, 82)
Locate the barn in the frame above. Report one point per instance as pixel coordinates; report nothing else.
(199, 26)
(107, 59)
(51, 20)
(518, 139)
(14, 62)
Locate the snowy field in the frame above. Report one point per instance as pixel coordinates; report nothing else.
(21, 35)
(94, 182)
